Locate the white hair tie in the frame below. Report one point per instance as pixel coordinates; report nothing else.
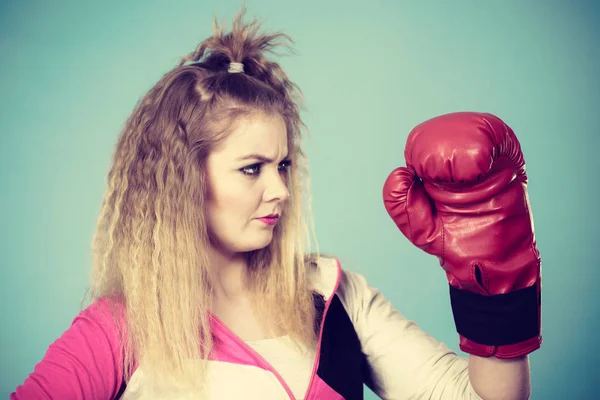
(235, 67)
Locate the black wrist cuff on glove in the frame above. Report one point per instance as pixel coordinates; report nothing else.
(496, 320)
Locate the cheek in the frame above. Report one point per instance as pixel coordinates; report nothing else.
(235, 202)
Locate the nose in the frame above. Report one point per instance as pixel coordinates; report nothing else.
(276, 188)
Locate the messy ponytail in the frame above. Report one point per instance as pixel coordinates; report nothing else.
(151, 241)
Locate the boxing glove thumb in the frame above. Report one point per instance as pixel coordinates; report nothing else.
(412, 210)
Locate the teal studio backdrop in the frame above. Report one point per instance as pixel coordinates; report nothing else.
(72, 71)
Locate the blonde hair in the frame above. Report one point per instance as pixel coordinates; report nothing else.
(150, 246)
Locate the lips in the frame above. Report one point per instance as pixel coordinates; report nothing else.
(270, 219)
(271, 216)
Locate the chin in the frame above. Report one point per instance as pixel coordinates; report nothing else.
(248, 243)
(259, 244)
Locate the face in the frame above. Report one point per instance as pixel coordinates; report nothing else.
(247, 176)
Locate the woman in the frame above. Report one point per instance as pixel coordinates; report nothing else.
(201, 283)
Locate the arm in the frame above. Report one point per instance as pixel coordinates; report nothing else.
(84, 363)
(404, 361)
(499, 379)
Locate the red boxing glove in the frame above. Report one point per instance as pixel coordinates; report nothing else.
(463, 198)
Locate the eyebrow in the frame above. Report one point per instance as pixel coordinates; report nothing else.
(258, 157)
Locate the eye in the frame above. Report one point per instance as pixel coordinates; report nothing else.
(251, 170)
(254, 169)
(285, 165)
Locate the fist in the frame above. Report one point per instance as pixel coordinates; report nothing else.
(462, 197)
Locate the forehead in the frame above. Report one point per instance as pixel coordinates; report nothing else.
(258, 133)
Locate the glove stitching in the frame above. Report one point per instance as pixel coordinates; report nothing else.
(441, 221)
(406, 206)
(534, 251)
(443, 236)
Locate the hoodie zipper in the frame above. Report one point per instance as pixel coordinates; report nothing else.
(318, 355)
(262, 362)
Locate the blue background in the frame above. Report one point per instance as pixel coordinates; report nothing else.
(71, 72)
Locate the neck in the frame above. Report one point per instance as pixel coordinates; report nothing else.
(229, 276)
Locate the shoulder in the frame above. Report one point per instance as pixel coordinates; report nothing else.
(107, 313)
(329, 277)
(358, 298)
(102, 322)
(85, 361)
